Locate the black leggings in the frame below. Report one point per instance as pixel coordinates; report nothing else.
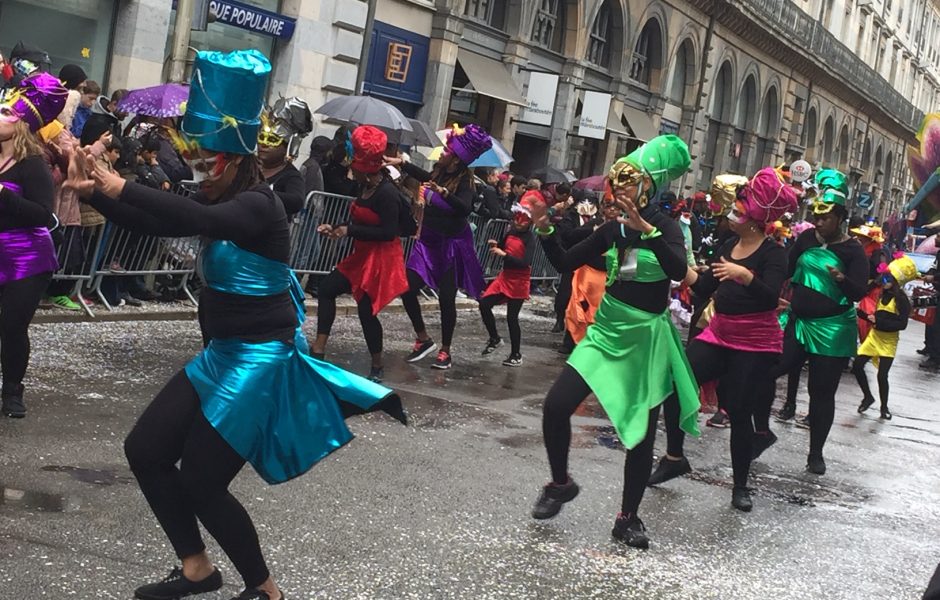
(739, 374)
(563, 296)
(512, 318)
(333, 285)
(884, 365)
(446, 299)
(567, 393)
(825, 373)
(173, 429)
(18, 303)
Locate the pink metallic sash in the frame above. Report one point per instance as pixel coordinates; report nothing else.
(752, 332)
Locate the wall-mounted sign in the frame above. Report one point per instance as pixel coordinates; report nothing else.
(594, 111)
(252, 18)
(397, 64)
(864, 201)
(398, 61)
(540, 98)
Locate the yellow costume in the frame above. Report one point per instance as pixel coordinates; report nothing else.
(881, 343)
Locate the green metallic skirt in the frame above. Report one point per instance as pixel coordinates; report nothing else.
(829, 336)
(633, 360)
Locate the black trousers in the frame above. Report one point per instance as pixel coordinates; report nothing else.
(446, 299)
(884, 366)
(563, 296)
(825, 373)
(512, 318)
(564, 397)
(932, 338)
(739, 374)
(18, 303)
(335, 284)
(171, 430)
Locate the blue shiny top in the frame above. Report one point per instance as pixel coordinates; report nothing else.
(227, 268)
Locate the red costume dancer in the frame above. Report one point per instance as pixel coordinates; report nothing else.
(375, 271)
(511, 286)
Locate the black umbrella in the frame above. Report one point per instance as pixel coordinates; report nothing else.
(551, 175)
(366, 110)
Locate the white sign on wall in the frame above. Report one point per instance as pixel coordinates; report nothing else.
(541, 99)
(594, 111)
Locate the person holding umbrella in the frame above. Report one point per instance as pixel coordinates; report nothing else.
(444, 258)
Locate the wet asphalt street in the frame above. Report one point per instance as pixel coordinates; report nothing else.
(440, 509)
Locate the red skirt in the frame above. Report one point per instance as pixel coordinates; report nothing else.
(377, 269)
(512, 283)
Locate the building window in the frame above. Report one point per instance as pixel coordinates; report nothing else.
(491, 12)
(646, 54)
(549, 28)
(598, 46)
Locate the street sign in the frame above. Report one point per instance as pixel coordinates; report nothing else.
(864, 200)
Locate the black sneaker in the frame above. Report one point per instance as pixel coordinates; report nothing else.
(256, 594)
(787, 411)
(719, 420)
(491, 345)
(376, 374)
(816, 465)
(865, 404)
(130, 300)
(803, 422)
(923, 351)
(514, 360)
(13, 405)
(442, 361)
(553, 497)
(631, 531)
(421, 350)
(559, 326)
(741, 499)
(669, 469)
(175, 585)
(931, 364)
(762, 441)
(885, 413)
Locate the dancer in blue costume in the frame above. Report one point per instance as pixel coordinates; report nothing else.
(253, 394)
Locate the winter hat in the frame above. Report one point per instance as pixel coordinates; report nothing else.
(72, 76)
(369, 145)
(468, 143)
(765, 198)
(37, 100)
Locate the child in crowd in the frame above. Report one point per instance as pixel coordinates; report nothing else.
(888, 319)
(148, 168)
(90, 91)
(511, 286)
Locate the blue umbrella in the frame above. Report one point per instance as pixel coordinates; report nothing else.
(497, 156)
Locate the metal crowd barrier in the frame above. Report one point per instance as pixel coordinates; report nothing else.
(111, 251)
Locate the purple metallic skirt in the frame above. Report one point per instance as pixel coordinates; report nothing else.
(434, 254)
(26, 252)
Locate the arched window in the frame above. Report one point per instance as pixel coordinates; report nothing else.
(491, 12)
(829, 133)
(548, 30)
(647, 55)
(768, 127)
(599, 43)
(808, 140)
(682, 72)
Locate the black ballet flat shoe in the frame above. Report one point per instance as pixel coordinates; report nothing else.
(553, 497)
(390, 405)
(631, 531)
(491, 345)
(761, 442)
(885, 413)
(256, 594)
(865, 404)
(376, 374)
(741, 499)
(13, 405)
(816, 465)
(669, 469)
(175, 586)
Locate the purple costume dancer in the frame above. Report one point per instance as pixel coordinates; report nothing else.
(443, 258)
(27, 256)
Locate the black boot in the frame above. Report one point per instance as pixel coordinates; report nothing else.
(13, 405)
(741, 499)
(630, 530)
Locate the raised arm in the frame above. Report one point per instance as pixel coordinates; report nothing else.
(669, 248)
(581, 253)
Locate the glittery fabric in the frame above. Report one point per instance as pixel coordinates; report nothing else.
(25, 252)
(278, 407)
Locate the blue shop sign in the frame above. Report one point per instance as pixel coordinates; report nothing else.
(864, 201)
(398, 61)
(251, 18)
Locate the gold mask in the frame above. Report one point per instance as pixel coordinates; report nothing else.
(623, 175)
(725, 190)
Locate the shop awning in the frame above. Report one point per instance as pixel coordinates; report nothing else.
(614, 124)
(640, 123)
(490, 78)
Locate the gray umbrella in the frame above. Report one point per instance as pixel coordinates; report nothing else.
(366, 110)
(420, 135)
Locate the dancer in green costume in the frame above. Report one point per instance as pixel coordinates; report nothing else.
(631, 357)
(828, 274)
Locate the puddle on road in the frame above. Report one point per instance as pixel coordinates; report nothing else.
(38, 501)
(101, 477)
